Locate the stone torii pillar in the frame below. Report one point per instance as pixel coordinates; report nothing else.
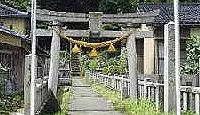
(169, 68)
(132, 65)
(54, 61)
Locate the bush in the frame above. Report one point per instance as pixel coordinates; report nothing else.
(117, 65)
(93, 64)
(113, 65)
(193, 54)
(11, 103)
(84, 62)
(116, 6)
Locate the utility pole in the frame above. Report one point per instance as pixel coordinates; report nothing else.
(177, 56)
(33, 57)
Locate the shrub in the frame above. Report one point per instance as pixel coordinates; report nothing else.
(193, 54)
(11, 102)
(84, 62)
(93, 64)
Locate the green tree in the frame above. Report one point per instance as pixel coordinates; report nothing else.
(19, 4)
(70, 5)
(116, 6)
(193, 54)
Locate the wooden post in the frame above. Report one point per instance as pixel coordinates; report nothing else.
(157, 97)
(197, 103)
(122, 87)
(145, 88)
(54, 64)
(169, 68)
(199, 74)
(184, 101)
(132, 65)
(149, 56)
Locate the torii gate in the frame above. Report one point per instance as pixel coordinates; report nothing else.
(96, 19)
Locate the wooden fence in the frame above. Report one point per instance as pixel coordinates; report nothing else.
(148, 88)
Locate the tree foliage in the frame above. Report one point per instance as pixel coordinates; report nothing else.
(193, 54)
(108, 6)
(19, 4)
(116, 6)
(70, 5)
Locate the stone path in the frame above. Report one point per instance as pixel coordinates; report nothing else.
(86, 102)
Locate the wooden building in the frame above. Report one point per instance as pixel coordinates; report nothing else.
(154, 48)
(13, 46)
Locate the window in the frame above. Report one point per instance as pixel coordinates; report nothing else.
(161, 57)
(1, 23)
(11, 27)
(5, 59)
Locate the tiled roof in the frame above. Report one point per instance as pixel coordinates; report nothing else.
(6, 11)
(189, 13)
(13, 33)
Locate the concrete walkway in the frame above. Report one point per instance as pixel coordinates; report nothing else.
(86, 102)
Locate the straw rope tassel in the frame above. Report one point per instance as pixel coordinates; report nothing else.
(76, 49)
(93, 53)
(111, 48)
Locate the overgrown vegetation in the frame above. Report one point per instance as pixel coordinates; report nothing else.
(126, 106)
(59, 105)
(11, 103)
(129, 106)
(107, 6)
(115, 64)
(63, 99)
(117, 6)
(19, 4)
(191, 66)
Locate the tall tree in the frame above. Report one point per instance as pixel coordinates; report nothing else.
(70, 5)
(115, 6)
(19, 4)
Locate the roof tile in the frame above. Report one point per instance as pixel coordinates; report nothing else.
(8, 11)
(189, 13)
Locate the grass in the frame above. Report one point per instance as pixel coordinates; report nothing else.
(63, 99)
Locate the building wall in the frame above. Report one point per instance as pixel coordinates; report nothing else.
(16, 75)
(8, 39)
(18, 24)
(185, 32)
(195, 31)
